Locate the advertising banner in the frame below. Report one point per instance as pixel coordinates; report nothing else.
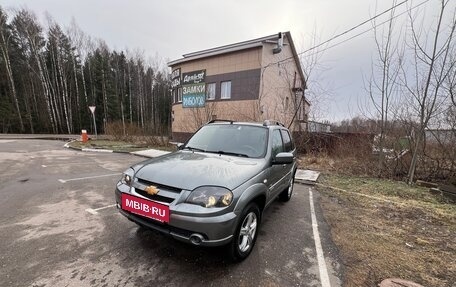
(195, 77)
(194, 96)
(176, 78)
(194, 89)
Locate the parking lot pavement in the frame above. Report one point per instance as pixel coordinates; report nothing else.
(58, 227)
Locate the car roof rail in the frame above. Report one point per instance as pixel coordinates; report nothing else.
(214, 121)
(272, 123)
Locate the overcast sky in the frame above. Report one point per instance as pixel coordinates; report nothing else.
(173, 28)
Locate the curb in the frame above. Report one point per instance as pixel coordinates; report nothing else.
(67, 145)
(305, 182)
(97, 150)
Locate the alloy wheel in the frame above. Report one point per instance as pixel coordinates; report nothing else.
(247, 232)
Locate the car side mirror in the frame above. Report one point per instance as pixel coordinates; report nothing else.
(180, 146)
(283, 158)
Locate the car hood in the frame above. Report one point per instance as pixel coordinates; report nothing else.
(189, 170)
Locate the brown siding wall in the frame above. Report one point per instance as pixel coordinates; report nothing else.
(245, 85)
(277, 100)
(227, 63)
(188, 120)
(243, 69)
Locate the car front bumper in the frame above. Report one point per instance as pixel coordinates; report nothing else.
(197, 230)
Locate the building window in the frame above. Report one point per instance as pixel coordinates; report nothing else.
(210, 91)
(179, 95)
(226, 90)
(174, 93)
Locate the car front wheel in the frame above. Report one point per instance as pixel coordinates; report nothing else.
(246, 233)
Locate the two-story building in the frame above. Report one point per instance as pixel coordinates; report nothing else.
(253, 80)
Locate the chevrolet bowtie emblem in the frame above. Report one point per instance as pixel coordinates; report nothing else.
(152, 190)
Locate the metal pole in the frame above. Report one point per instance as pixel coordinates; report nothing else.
(95, 126)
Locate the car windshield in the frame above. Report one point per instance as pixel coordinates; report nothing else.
(230, 139)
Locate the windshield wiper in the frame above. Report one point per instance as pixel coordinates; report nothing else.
(229, 153)
(194, 148)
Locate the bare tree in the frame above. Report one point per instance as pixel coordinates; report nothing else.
(28, 33)
(383, 82)
(79, 54)
(432, 68)
(4, 48)
(317, 91)
(59, 53)
(450, 84)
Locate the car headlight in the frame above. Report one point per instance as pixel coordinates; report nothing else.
(210, 196)
(127, 176)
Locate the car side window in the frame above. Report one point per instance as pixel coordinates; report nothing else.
(277, 145)
(287, 143)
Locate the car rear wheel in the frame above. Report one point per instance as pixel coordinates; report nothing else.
(246, 233)
(286, 194)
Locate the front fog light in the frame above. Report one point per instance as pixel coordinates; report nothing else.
(210, 196)
(127, 179)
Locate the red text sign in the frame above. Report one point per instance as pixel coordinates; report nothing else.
(145, 207)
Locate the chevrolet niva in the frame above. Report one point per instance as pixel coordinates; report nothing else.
(212, 191)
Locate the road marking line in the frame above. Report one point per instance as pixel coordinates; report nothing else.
(67, 163)
(88, 177)
(91, 211)
(104, 207)
(324, 277)
(95, 211)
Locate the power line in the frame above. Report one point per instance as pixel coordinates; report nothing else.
(365, 31)
(354, 27)
(351, 29)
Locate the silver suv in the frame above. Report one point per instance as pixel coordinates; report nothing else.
(213, 190)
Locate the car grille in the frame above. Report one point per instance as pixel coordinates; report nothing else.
(167, 194)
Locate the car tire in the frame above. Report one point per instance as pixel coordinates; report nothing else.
(246, 233)
(286, 194)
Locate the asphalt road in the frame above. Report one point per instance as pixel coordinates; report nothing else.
(58, 227)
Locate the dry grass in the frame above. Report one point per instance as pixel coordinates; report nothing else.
(318, 162)
(349, 165)
(388, 229)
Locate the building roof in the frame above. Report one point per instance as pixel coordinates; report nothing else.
(239, 47)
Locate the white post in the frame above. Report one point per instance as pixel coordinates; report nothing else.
(92, 109)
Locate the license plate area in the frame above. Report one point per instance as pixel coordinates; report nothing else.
(144, 207)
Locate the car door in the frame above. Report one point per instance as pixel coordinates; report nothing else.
(277, 171)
